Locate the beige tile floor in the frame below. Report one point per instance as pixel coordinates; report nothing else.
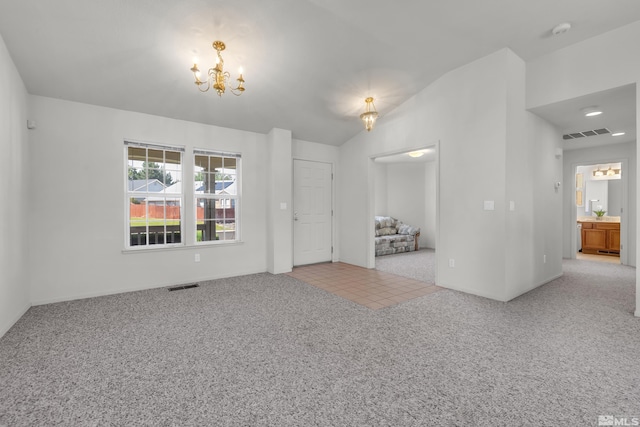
(371, 288)
(600, 258)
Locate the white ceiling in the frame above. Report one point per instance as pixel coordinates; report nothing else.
(618, 115)
(308, 64)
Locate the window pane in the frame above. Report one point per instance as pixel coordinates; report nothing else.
(226, 230)
(137, 179)
(136, 154)
(215, 162)
(172, 171)
(169, 178)
(228, 185)
(137, 223)
(215, 181)
(208, 183)
(201, 163)
(225, 208)
(172, 158)
(206, 230)
(155, 156)
(155, 196)
(164, 220)
(230, 163)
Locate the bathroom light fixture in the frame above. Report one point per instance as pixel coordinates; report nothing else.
(617, 134)
(370, 115)
(216, 76)
(591, 111)
(598, 172)
(416, 153)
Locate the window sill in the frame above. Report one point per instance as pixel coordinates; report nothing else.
(128, 251)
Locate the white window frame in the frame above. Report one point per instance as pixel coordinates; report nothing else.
(129, 194)
(236, 197)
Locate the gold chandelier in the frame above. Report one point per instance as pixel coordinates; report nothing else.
(370, 115)
(216, 76)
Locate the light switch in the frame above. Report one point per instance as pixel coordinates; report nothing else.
(512, 205)
(489, 205)
(283, 206)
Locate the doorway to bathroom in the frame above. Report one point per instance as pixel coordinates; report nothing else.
(599, 201)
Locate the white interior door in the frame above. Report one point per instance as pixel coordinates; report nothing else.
(312, 212)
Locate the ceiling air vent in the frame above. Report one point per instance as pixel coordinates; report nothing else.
(585, 133)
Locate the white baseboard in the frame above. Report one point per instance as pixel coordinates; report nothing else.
(637, 313)
(536, 285)
(139, 288)
(502, 298)
(5, 328)
(472, 292)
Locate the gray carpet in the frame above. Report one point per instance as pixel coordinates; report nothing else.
(419, 265)
(265, 350)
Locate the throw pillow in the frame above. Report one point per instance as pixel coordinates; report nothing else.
(408, 229)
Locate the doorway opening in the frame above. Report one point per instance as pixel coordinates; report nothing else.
(404, 213)
(599, 202)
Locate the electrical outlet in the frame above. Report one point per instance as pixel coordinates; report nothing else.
(544, 259)
(452, 262)
(197, 258)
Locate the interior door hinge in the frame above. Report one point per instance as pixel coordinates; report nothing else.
(332, 176)
(331, 249)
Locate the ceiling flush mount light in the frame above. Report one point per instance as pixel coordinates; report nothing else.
(617, 134)
(591, 111)
(561, 28)
(216, 76)
(416, 153)
(370, 115)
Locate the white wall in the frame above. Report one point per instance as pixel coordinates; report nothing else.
(406, 191)
(589, 156)
(15, 167)
(279, 220)
(381, 189)
(430, 201)
(547, 205)
(467, 112)
(76, 213)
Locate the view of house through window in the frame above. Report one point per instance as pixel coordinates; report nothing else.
(216, 195)
(154, 194)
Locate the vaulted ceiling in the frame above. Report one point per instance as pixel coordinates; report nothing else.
(308, 64)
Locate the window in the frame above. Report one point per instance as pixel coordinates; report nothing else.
(154, 195)
(217, 196)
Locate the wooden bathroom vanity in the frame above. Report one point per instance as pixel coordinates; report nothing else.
(600, 237)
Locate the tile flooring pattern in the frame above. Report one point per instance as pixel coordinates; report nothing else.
(371, 288)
